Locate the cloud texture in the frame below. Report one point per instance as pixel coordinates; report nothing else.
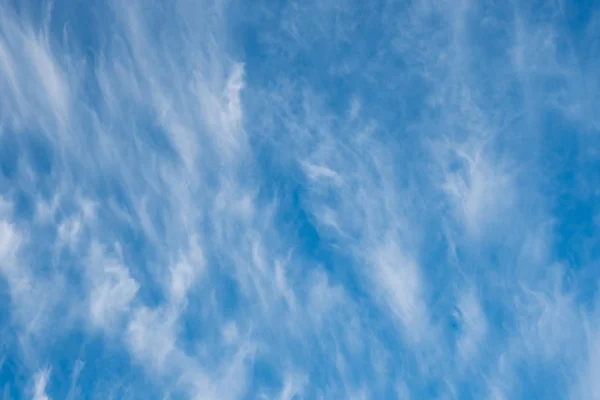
(299, 199)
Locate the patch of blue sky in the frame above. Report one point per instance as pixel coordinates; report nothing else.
(289, 200)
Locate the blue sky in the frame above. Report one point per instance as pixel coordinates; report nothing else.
(299, 199)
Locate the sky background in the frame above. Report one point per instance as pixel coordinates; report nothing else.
(342, 199)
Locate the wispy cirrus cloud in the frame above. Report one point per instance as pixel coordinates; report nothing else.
(225, 200)
(41, 380)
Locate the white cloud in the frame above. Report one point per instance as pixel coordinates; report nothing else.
(111, 289)
(186, 270)
(74, 389)
(402, 391)
(545, 307)
(49, 75)
(39, 385)
(9, 245)
(30, 299)
(152, 336)
(481, 191)
(473, 325)
(30, 64)
(68, 231)
(293, 386)
(315, 172)
(585, 384)
(221, 108)
(325, 297)
(398, 276)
